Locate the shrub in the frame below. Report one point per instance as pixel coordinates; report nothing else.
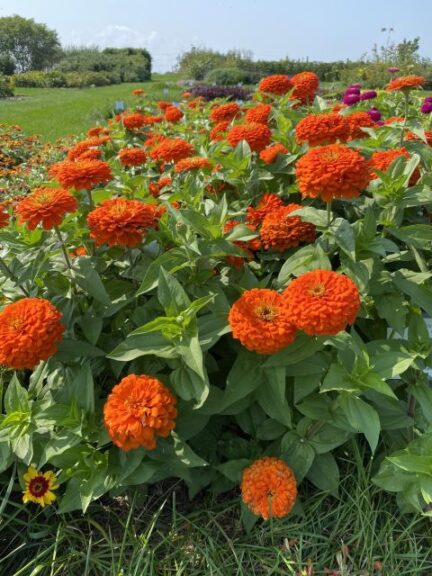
(212, 92)
(6, 89)
(7, 65)
(57, 79)
(227, 76)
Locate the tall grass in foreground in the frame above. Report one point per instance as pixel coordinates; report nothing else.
(359, 534)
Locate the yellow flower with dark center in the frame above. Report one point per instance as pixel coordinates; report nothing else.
(39, 486)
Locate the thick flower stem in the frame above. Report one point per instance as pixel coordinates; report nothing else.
(329, 214)
(8, 272)
(90, 199)
(65, 254)
(406, 96)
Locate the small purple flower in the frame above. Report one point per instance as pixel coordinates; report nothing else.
(352, 90)
(428, 99)
(355, 86)
(380, 123)
(351, 99)
(368, 95)
(374, 114)
(426, 107)
(393, 70)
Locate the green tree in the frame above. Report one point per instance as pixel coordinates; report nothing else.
(32, 46)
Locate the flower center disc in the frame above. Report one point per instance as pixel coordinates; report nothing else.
(318, 290)
(266, 312)
(38, 486)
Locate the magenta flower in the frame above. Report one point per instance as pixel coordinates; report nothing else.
(351, 99)
(426, 107)
(368, 95)
(392, 69)
(352, 90)
(374, 114)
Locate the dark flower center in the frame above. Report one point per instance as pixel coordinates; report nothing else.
(317, 290)
(38, 486)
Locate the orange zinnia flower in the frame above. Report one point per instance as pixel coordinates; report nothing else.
(412, 136)
(80, 251)
(259, 113)
(383, 159)
(270, 154)
(218, 132)
(137, 91)
(81, 148)
(225, 112)
(133, 121)
(356, 121)
(132, 156)
(139, 409)
(256, 135)
(97, 131)
(405, 83)
(394, 119)
(332, 171)
(259, 319)
(322, 302)
(193, 163)
(280, 231)
(172, 150)
(173, 114)
(162, 105)
(30, 330)
(253, 244)
(305, 87)
(278, 84)
(318, 129)
(121, 222)
(4, 216)
(269, 488)
(81, 175)
(266, 205)
(46, 205)
(156, 187)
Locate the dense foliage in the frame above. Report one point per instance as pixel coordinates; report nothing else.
(6, 89)
(57, 79)
(167, 259)
(26, 45)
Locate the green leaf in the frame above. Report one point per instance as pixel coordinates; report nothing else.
(185, 454)
(344, 236)
(312, 215)
(16, 397)
(305, 259)
(87, 278)
(83, 387)
(338, 378)
(244, 376)
(303, 347)
(324, 473)
(91, 326)
(142, 345)
(69, 349)
(271, 395)
(420, 295)
(423, 394)
(270, 430)
(171, 294)
(362, 417)
(298, 453)
(388, 364)
(414, 463)
(171, 261)
(393, 309)
(233, 469)
(189, 386)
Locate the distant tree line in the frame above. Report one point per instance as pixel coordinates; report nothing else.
(28, 49)
(238, 66)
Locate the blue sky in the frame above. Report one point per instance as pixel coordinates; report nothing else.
(271, 29)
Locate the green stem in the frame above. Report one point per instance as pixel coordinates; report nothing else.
(65, 254)
(90, 199)
(11, 276)
(329, 213)
(406, 95)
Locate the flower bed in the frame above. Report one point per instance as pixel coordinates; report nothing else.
(225, 294)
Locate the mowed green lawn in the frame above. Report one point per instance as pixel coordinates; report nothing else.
(53, 113)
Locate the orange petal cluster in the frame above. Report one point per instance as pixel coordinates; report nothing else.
(256, 135)
(319, 129)
(218, 132)
(121, 222)
(225, 112)
(306, 85)
(269, 488)
(322, 302)
(139, 409)
(332, 171)
(405, 83)
(382, 160)
(4, 216)
(356, 121)
(47, 206)
(268, 203)
(278, 84)
(269, 155)
(132, 156)
(193, 163)
(259, 319)
(173, 114)
(30, 330)
(280, 231)
(259, 113)
(82, 174)
(172, 150)
(133, 121)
